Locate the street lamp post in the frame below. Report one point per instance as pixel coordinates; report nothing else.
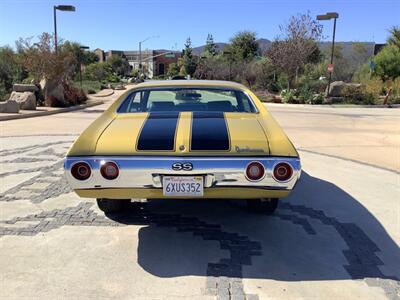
(140, 53)
(329, 16)
(61, 8)
(80, 63)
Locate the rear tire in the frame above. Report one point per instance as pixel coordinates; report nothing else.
(112, 205)
(265, 205)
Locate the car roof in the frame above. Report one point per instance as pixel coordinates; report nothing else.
(190, 83)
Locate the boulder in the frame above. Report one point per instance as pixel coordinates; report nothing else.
(337, 87)
(9, 106)
(19, 87)
(53, 93)
(119, 87)
(26, 100)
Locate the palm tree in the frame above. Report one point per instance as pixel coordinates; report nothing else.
(394, 38)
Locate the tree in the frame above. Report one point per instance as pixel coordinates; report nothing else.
(394, 38)
(42, 62)
(296, 45)
(188, 60)
(10, 70)
(100, 71)
(173, 69)
(80, 56)
(387, 62)
(210, 48)
(243, 46)
(119, 65)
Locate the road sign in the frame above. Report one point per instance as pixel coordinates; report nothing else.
(170, 55)
(330, 68)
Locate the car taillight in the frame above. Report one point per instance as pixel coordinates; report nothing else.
(81, 171)
(255, 171)
(109, 170)
(283, 171)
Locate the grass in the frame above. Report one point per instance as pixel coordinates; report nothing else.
(89, 87)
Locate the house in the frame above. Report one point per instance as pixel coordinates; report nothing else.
(154, 62)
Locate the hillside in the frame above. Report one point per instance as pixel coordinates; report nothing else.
(264, 44)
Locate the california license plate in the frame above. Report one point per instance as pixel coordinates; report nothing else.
(190, 186)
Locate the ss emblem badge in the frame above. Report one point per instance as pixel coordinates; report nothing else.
(182, 166)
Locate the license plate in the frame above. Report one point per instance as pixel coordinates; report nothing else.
(183, 186)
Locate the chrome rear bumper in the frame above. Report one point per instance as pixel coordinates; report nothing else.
(147, 171)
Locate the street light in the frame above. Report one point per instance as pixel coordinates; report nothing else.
(61, 8)
(329, 16)
(140, 53)
(80, 62)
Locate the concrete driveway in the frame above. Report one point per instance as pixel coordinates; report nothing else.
(336, 237)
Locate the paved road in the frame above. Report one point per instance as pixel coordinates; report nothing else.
(336, 237)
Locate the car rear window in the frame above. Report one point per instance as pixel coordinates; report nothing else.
(187, 99)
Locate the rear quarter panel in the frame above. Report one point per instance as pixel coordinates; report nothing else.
(279, 143)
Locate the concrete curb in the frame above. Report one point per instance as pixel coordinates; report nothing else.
(51, 112)
(101, 95)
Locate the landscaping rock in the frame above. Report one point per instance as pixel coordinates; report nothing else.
(19, 87)
(9, 106)
(120, 87)
(26, 100)
(337, 87)
(53, 94)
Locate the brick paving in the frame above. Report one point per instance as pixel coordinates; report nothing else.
(224, 275)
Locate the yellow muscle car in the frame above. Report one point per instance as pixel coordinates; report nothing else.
(184, 139)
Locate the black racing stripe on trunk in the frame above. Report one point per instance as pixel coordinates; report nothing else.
(158, 132)
(209, 132)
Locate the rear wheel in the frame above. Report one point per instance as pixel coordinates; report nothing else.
(112, 205)
(264, 205)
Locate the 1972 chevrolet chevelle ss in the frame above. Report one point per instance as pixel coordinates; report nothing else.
(184, 139)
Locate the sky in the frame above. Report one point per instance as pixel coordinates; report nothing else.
(121, 24)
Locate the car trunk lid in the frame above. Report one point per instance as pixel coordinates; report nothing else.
(184, 133)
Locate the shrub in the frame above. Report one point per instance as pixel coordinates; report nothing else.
(288, 96)
(90, 91)
(375, 86)
(387, 63)
(305, 95)
(316, 99)
(395, 95)
(358, 95)
(73, 95)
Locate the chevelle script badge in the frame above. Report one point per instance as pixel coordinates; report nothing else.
(247, 149)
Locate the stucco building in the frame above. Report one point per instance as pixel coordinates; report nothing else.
(154, 62)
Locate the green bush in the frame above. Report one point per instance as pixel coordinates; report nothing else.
(358, 95)
(100, 72)
(161, 77)
(305, 94)
(387, 63)
(288, 96)
(89, 87)
(316, 99)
